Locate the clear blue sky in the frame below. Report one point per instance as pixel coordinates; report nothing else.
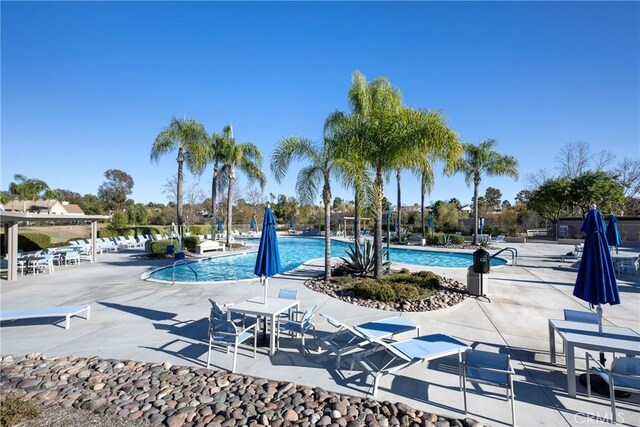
(86, 87)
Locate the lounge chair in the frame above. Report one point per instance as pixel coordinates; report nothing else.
(65, 311)
(575, 254)
(348, 340)
(387, 358)
(498, 239)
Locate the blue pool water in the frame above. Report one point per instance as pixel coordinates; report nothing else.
(294, 251)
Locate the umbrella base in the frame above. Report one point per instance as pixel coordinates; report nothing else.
(600, 386)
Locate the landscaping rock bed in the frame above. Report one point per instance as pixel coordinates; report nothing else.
(450, 293)
(185, 396)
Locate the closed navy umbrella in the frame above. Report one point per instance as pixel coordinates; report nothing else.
(252, 224)
(220, 225)
(291, 224)
(268, 259)
(613, 234)
(596, 282)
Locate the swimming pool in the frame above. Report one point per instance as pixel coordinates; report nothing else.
(294, 251)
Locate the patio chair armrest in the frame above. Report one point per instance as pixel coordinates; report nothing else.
(509, 371)
(244, 329)
(590, 358)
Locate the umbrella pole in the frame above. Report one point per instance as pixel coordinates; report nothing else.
(603, 360)
(265, 283)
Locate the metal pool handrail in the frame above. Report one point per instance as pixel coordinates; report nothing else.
(514, 254)
(181, 261)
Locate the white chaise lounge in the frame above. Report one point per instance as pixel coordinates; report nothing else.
(209, 245)
(32, 313)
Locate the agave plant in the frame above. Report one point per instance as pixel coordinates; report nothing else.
(362, 261)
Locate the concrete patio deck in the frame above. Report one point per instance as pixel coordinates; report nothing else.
(134, 319)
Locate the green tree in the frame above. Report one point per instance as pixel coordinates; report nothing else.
(119, 220)
(114, 192)
(551, 200)
(27, 188)
(138, 214)
(493, 197)
(189, 138)
(395, 137)
(320, 159)
(482, 160)
(597, 188)
(245, 157)
(91, 205)
(218, 152)
(337, 202)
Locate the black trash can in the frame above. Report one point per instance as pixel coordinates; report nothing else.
(481, 261)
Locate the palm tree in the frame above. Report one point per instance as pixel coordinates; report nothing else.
(318, 172)
(28, 188)
(396, 137)
(189, 138)
(345, 131)
(217, 153)
(479, 160)
(245, 157)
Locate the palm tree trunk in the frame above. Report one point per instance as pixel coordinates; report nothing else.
(476, 184)
(326, 198)
(356, 219)
(377, 234)
(214, 195)
(424, 231)
(232, 179)
(399, 236)
(180, 161)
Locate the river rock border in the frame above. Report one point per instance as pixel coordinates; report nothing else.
(179, 396)
(450, 293)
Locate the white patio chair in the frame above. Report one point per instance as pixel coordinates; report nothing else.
(72, 257)
(348, 340)
(43, 264)
(291, 294)
(299, 327)
(225, 333)
(489, 368)
(624, 375)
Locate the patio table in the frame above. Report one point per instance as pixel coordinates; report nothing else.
(274, 307)
(613, 339)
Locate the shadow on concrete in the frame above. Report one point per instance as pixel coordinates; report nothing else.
(54, 320)
(147, 313)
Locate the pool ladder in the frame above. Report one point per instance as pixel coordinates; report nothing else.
(514, 254)
(182, 262)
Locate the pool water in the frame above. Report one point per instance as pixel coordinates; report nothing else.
(294, 251)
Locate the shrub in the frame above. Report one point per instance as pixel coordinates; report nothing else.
(429, 279)
(406, 292)
(371, 289)
(14, 410)
(190, 242)
(33, 241)
(159, 248)
(200, 230)
(456, 239)
(106, 232)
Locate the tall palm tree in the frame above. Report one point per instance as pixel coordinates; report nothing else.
(245, 157)
(397, 137)
(320, 158)
(345, 131)
(479, 160)
(189, 138)
(218, 152)
(28, 188)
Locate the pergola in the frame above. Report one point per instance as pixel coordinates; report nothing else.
(352, 219)
(10, 221)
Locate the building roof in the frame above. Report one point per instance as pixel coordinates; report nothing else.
(73, 209)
